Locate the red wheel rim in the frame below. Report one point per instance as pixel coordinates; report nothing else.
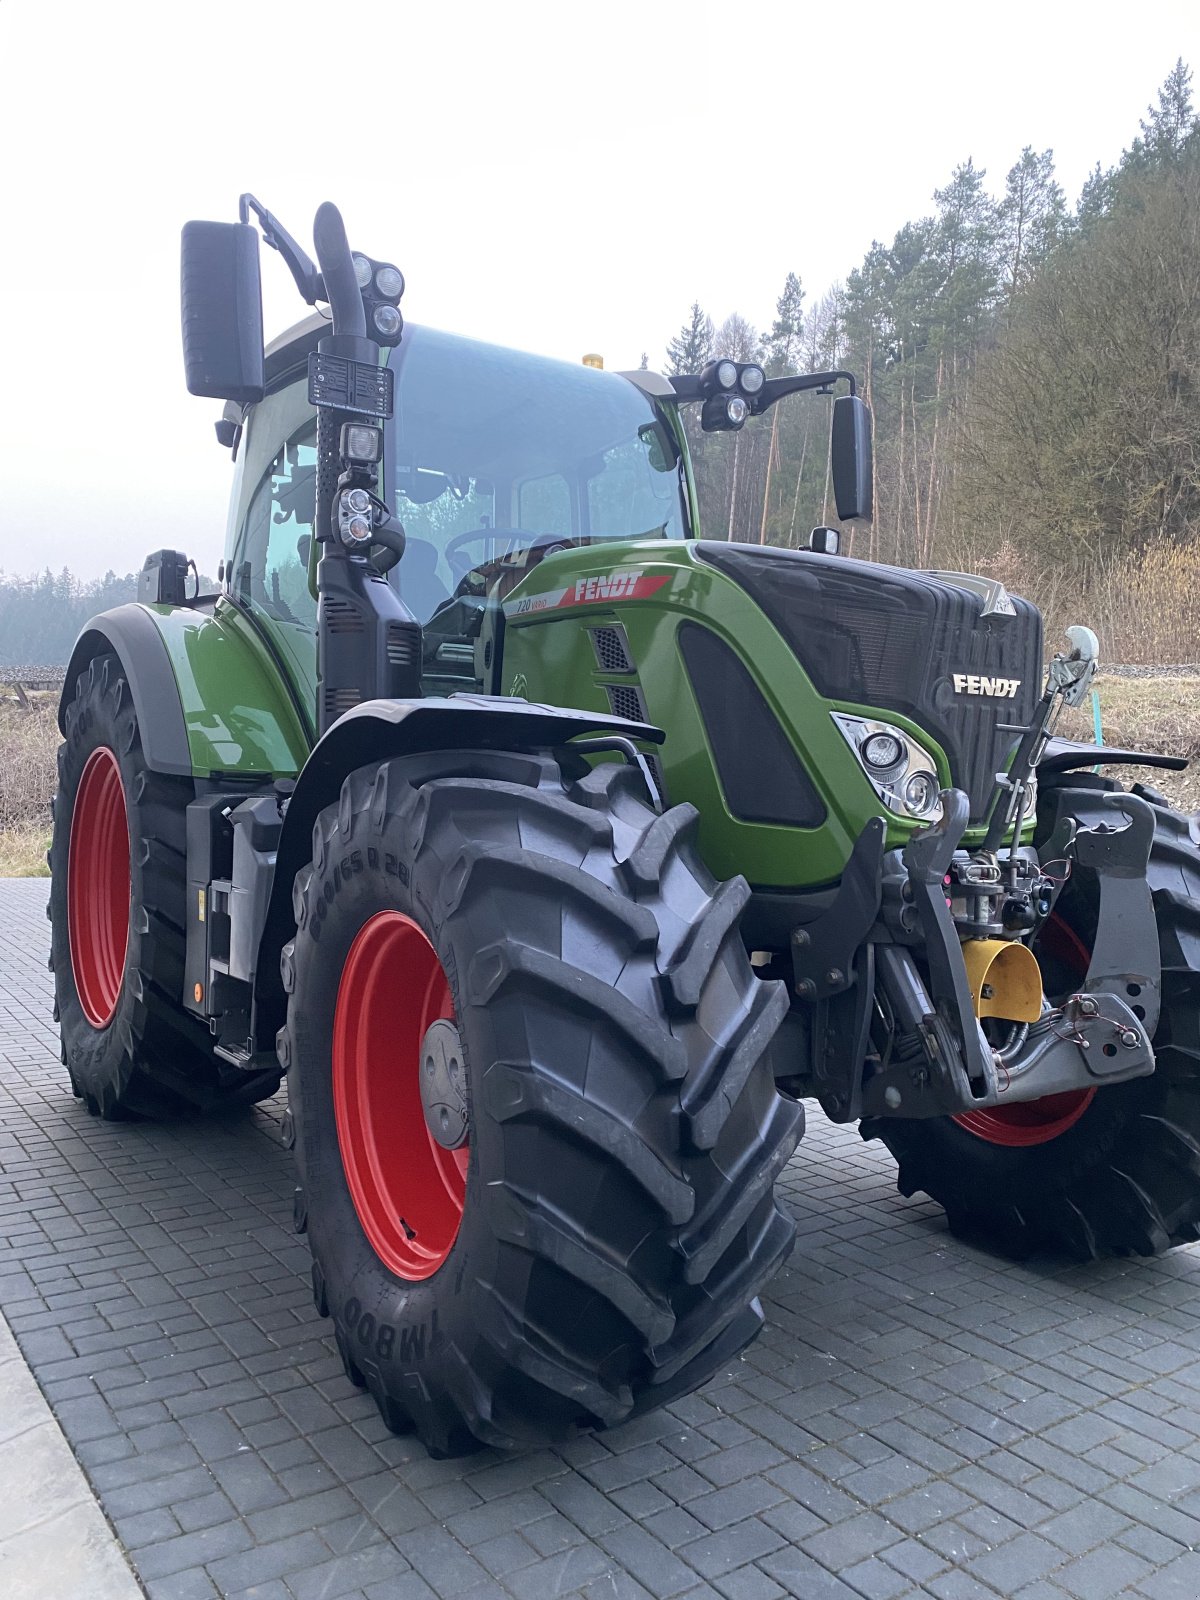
(407, 1190)
(1033, 1122)
(98, 887)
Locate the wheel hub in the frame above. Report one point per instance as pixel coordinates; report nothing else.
(443, 1085)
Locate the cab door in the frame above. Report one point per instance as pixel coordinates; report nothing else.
(268, 568)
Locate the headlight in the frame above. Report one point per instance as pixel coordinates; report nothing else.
(752, 379)
(726, 374)
(882, 751)
(388, 320)
(362, 271)
(736, 410)
(902, 772)
(920, 793)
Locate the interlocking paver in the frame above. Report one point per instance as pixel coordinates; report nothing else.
(918, 1418)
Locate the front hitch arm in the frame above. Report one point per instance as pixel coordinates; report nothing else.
(927, 858)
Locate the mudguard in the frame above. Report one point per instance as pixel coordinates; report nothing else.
(378, 730)
(129, 631)
(211, 698)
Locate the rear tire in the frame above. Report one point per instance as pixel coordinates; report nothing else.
(1122, 1177)
(618, 1217)
(117, 921)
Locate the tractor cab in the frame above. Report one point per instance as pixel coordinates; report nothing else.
(493, 459)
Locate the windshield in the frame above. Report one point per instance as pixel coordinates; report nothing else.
(496, 457)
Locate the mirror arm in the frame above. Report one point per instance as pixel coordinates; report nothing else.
(777, 388)
(690, 387)
(308, 280)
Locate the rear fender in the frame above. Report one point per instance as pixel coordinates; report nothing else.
(211, 699)
(130, 633)
(379, 730)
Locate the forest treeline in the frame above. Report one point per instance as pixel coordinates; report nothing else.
(1033, 368)
(41, 617)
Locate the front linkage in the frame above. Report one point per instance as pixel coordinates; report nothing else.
(925, 998)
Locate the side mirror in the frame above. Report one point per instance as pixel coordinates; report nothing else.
(222, 312)
(850, 447)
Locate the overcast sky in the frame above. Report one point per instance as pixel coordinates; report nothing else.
(564, 177)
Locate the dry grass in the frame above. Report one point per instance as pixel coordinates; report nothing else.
(23, 852)
(28, 741)
(1144, 609)
(1160, 714)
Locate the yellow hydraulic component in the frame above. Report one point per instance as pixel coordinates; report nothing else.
(1005, 979)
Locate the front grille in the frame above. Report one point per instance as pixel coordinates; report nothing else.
(888, 639)
(611, 645)
(626, 701)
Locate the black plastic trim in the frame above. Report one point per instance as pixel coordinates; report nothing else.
(130, 632)
(761, 774)
(1065, 755)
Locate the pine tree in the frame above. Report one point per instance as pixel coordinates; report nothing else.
(781, 347)
(692, 346)
(1167, 127)
(1030, 217)
(1096, 197)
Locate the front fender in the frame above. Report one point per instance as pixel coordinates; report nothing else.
(379, 730)
(1064, 757)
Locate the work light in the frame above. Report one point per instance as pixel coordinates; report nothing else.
(389, 281)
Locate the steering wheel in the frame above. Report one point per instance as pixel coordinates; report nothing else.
(531, 541)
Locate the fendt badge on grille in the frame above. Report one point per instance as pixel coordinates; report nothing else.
(996, 688)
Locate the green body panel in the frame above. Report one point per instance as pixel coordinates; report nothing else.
(239, 716)
(548, 656)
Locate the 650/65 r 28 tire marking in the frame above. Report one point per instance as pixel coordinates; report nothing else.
(407, 1190)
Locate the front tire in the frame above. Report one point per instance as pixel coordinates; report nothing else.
(1115, 1171)
(597, 1245)
(118, 882)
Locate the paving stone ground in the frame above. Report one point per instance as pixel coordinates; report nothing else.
(919, 1419)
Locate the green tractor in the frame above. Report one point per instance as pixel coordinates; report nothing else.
(556, 855)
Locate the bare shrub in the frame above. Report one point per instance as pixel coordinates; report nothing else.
(28, 741)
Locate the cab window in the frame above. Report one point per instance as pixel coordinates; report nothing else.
(544, 506)
(271, 570)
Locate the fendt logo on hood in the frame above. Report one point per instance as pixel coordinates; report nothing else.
(995, 688)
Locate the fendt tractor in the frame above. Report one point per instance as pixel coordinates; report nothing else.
(557, 854)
